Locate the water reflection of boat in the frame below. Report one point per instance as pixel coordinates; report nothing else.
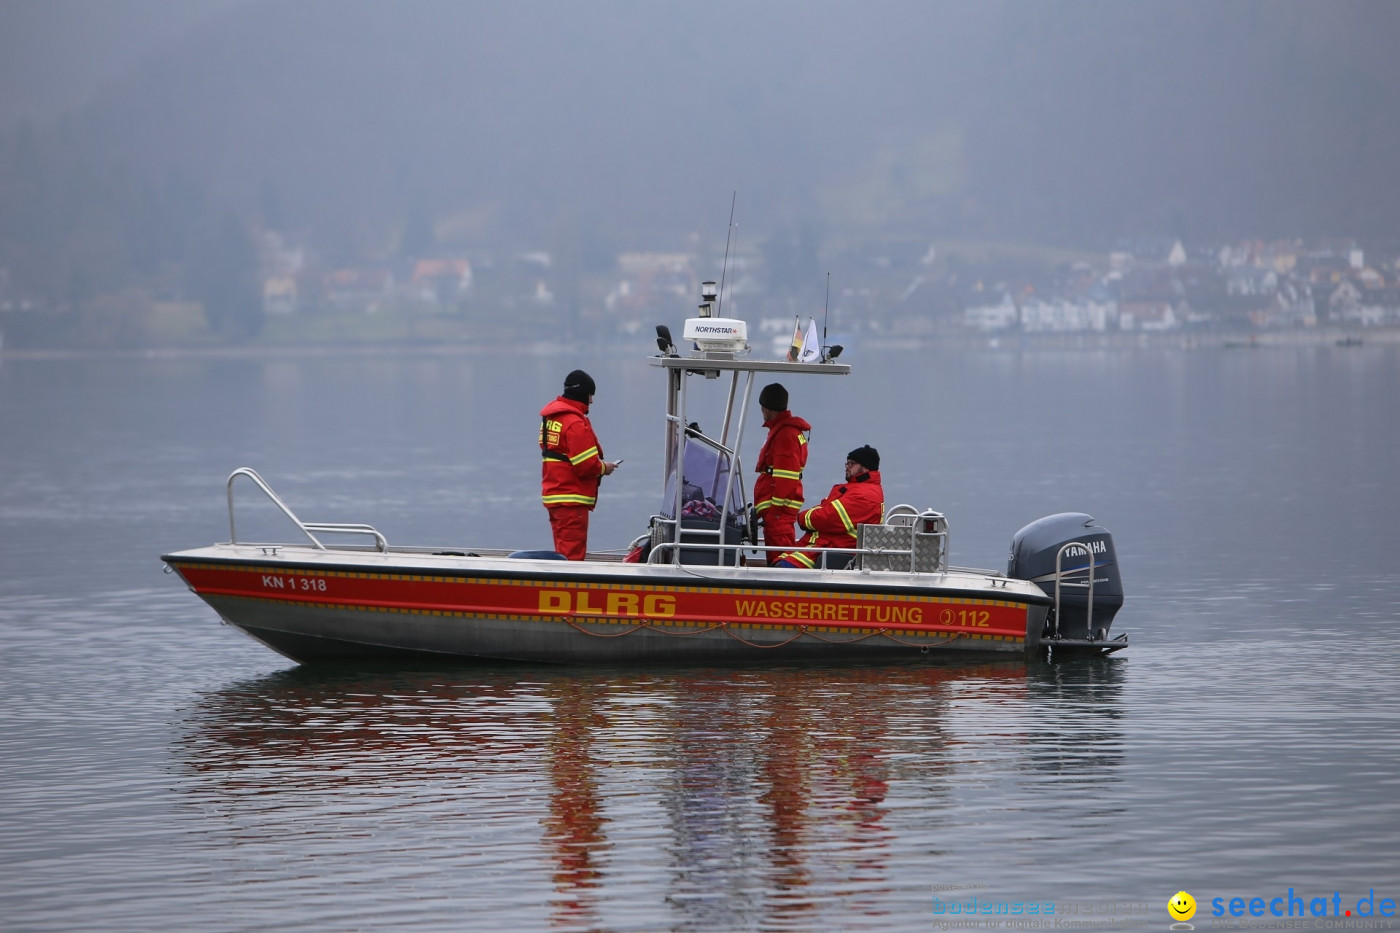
(751, 791)
(1086, 748)
(702, 590)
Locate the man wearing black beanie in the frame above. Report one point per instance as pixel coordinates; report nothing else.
(573, 464)
(860, 500)
(579, 386)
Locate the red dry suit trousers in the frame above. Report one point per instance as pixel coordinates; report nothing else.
(779, 531)
(570, 526)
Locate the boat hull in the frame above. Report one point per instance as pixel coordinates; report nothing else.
(315, 606)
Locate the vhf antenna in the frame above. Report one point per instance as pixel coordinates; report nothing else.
(719, 305)
(829, 354)
(826, 308)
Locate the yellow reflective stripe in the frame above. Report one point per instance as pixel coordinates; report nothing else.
(793, 504)
(801, 559)
(579, 458)
(845, 519)
(802, 520)
(570, 500)
(801, 438)
(788, 474)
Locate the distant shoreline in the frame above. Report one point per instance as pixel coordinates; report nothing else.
(1006, 342)
(1139, 340)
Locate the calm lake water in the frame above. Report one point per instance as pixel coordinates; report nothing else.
(159, 770)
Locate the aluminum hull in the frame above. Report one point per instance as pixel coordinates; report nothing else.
(318, 605)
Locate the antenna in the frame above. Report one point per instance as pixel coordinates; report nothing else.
(719, 305)
(826, 308)
(829, 354)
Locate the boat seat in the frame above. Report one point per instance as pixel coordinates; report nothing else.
(537, 555)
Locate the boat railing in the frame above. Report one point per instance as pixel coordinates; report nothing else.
(850, 557)
(1060, 572)
(668, 553)
(671, 538)
(310, 529)
(910, 540)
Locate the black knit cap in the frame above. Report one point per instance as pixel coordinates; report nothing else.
(866, 456)
(773, 397)
(578, 385)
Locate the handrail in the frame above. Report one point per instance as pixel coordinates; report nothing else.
(900, 516)
(652, 558)
(380, 543)
(673, 542)
(900, 511)
(673, 547)
(1059, 555)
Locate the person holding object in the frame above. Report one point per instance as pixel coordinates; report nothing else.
(573, 464)
(860, 500)
(777, 493)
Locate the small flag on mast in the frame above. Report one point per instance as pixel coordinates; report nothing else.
(796, 349)
(811, 351)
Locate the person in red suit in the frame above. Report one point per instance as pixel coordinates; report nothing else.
(860, 500)
(777, 493)
(573, 464)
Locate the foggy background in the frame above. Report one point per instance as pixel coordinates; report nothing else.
(130, 130)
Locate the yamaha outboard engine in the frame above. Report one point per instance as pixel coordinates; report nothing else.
(1084, 614)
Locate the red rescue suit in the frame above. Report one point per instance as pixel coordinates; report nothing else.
(833, 523)
(573, 465)
(777, 493)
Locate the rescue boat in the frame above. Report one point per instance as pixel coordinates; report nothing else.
(694, 587)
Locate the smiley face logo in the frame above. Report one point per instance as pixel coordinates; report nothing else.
(1182, 906)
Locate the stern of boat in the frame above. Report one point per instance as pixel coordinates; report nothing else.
(1072, 559)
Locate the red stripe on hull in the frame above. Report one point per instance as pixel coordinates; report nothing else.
(555, 599)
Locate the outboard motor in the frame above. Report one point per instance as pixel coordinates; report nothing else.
(1072, 538)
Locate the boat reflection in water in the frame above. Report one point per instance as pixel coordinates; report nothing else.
(730, 796)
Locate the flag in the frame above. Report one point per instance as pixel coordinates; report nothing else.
(796, 349)
(811, 351)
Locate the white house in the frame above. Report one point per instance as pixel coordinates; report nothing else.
(988, 318)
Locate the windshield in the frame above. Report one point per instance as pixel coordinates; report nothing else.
(706, 470)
